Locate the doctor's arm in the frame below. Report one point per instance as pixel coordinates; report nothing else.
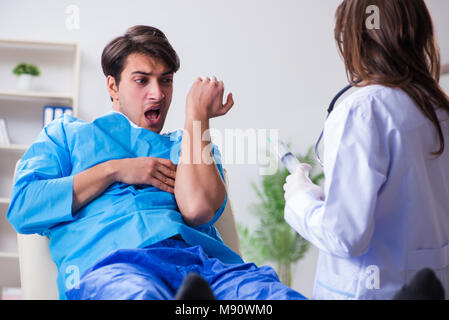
(355, 170)
(199, 188)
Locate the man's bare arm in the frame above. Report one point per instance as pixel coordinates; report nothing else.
(89, 184)
(199, 188)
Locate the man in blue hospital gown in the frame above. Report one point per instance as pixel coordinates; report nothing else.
(128, 208)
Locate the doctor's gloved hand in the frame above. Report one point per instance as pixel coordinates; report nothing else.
(300, 181)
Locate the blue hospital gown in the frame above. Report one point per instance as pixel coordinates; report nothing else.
(123, 217)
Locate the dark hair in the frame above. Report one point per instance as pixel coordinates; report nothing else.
(402, 53)
(138, 39)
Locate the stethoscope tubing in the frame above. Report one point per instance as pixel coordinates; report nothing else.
(329, 111)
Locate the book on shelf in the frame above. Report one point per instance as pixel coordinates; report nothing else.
(4, 137)
(11, 293)
(54, 112)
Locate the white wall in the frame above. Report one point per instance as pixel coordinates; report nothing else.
(277, 57)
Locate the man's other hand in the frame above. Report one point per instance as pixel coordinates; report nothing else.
(157, 172)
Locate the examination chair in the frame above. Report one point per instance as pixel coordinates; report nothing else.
(38, 272)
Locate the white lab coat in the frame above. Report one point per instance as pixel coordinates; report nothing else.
(386, 213)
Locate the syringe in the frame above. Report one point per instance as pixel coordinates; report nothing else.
(287, 157)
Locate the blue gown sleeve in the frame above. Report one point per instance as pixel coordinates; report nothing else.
(43, 187)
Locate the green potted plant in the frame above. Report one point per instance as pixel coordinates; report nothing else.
(273, 240)
(25, 72)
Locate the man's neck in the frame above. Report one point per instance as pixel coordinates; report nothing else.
(130, 122)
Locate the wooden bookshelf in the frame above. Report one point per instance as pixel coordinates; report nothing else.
(58, 84)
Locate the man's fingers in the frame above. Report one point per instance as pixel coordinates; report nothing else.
(229, 103)
(160, 182)
(220, 86)
(167, 162)
(164, 179)
(167, 171)
(197, 82)
(166, 188)
(214, 81)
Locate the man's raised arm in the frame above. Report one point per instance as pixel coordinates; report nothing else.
(199, 189)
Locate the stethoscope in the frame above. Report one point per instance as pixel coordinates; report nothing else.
(329, 110)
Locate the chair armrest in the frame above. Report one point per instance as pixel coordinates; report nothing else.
(226, 224)
(38, 272)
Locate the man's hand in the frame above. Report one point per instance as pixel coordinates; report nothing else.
(156, 172)
(205, 99)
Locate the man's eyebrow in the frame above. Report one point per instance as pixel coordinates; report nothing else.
(150, 73)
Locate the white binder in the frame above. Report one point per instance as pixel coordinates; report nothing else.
(4, 137)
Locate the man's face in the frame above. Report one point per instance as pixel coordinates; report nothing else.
(145, 91)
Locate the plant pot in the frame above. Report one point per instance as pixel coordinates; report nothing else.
(24, 82)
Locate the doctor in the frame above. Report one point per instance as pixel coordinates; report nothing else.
(384, 211)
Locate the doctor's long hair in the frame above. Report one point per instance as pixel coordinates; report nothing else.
(401, 53)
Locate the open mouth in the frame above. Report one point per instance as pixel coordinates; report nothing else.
(153, 115)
